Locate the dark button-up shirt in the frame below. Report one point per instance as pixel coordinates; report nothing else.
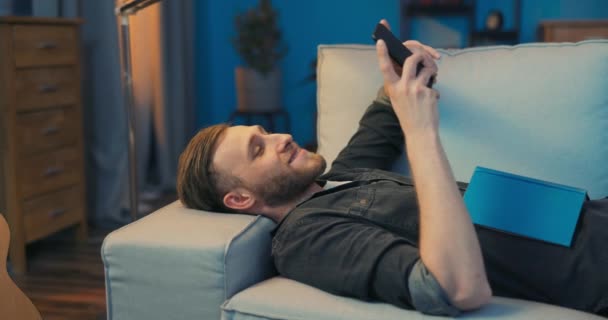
(360, 238)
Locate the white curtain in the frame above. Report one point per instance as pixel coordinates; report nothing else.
(161, 49)
(147, 88)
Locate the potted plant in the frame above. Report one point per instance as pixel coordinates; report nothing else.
(258, 41)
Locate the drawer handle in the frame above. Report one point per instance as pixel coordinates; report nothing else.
(53, 171)
(57, 212)
(47, 45)
(50, 131)
(48, 88)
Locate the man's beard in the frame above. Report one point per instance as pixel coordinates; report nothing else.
(285, 186)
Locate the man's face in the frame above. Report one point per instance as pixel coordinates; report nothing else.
(271, 166)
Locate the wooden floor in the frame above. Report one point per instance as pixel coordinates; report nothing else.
(65, 281)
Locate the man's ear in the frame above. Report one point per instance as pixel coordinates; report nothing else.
(239, 199)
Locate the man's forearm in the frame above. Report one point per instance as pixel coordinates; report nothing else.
(448, 243)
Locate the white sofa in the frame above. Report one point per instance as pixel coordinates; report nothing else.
(539, 110)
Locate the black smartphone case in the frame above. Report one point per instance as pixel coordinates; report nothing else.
(396, 50)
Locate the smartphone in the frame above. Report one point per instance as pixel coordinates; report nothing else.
(396, 50)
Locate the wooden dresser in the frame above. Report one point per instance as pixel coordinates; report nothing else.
(572, 30)
(42, 182)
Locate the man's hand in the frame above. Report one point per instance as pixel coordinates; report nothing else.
(414, 103)
(412, 45)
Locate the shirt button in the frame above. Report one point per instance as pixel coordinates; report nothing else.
(363, 202)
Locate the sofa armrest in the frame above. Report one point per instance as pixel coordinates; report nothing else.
(179, 263)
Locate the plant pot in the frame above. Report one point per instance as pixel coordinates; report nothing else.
(257, 92)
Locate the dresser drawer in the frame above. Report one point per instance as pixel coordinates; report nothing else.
(51, 212)
(46, 87)
(49, 171)
(46, 130)
(37, 45)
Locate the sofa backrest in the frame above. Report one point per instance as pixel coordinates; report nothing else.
(539, 110)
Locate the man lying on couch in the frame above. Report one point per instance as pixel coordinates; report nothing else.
(365, 232)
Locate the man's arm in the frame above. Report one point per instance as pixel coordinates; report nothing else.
(354, 258)
(377, 143)
(448, 243)
(346, 257)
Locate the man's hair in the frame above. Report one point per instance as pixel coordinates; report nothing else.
(199, 184)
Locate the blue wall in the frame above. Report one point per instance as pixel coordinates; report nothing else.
(306, 24)
(452, 32)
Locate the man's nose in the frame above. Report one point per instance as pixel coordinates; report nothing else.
(283, 141)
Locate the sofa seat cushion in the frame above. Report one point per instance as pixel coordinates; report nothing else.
(281, 298)
(538, 110)
(182, 259)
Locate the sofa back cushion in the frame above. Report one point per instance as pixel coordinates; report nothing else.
(539, 110)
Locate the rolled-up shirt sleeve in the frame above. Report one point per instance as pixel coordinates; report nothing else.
(426, 293)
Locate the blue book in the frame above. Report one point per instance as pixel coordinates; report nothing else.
(523, 206)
